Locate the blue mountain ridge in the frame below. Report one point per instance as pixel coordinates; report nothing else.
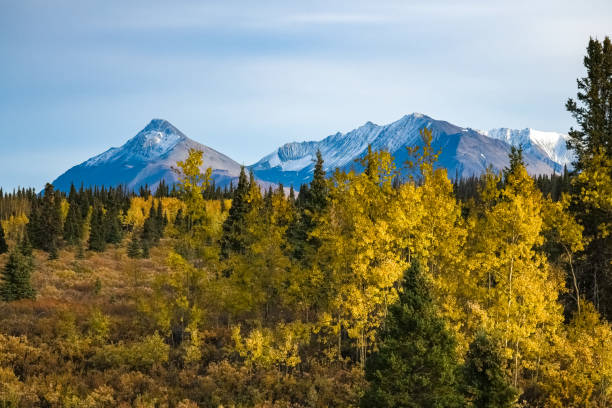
(464, 151)
(151, 155)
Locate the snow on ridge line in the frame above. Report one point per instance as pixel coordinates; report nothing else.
(553, 144)
(101, 158)
(339, 148)
(146, 145)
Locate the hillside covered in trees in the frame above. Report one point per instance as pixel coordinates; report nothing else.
(360, 290)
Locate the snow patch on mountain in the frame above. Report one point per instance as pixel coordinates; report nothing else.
(147, 158)
(340, 149)
(465, 151)
(155, 140)
(553, 144)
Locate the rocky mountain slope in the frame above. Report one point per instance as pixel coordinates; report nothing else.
(465, 151)
(147, 158)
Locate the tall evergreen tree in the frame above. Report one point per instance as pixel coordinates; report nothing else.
(15, 283)
(515, 159)
(311, 200)
(415, 365)
(3, 244)
(25, 246)
(150, 229)
(291, 195)
(484, 382)
(145, 192)
(592, 186)
(162, 189)
(159, 220)
(85, 201)
(34, 228)
(45, 225)
(593, 108)
(73, 226)
(318, 191)
(97, 231)
(179, 219)
(303, 195)
(133, 249)
(56, 227)
(112, 225)
(234, 226)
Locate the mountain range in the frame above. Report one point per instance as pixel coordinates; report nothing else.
(150, 156)
(147, 158)
(464, 151)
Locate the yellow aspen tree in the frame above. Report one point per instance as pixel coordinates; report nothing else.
(259, 272)
(177, 305)
(138, 211)
(358, 256)
(140, 207)
(182, 293)
(577, 367)
(521, 292)
(432, 223)
(203, 233)
(192, 183)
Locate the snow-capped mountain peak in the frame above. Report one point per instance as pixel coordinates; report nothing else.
(147, 158)
(465, 151)
(340, 149)
(157, 139)
(553, 144)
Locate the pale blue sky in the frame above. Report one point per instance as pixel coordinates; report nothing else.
(243, 77)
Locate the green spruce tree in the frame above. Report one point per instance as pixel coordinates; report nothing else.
(291, 195)
(25, 246)
(52, 219)
(484, 382)
(593, 108)
(592, 144)
(311, 201)
(133, 249)
(318, 191)
(150, 229)
(73, 226)
(159, 221)
(234, 226)
(112, 226)
(97, 231)
(415, 365)
(3, 244)
(162, 189)
(179, 220)
(15, 283)
(34, 228)
(45, 222)
(515, 161)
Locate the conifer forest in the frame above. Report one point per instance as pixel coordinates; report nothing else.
(357, 289)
